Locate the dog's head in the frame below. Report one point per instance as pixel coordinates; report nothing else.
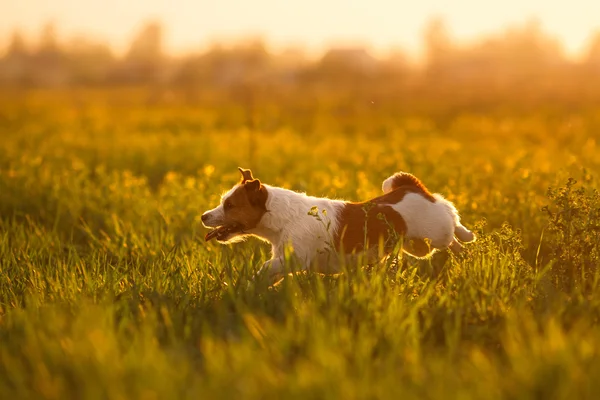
(241, 210)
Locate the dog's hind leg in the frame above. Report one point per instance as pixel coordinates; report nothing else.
(463, 234)
(418, 248)
(456, 247)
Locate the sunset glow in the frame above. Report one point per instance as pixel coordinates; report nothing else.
(383, 24)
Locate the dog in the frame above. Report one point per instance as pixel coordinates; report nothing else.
(319, 230)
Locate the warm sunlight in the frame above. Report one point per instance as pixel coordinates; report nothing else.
(263, 199)
(311, 23)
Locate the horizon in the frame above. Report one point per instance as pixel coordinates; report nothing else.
(380, 28)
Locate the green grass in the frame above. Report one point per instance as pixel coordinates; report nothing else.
(107, 289)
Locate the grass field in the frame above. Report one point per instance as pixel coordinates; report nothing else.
(107, 289)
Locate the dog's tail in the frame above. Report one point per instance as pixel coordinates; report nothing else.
(400, 179)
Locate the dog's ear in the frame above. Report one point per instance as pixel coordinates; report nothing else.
(246, 174)
(257, 193)
(252, 185)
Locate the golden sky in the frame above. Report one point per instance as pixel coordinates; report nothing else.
(191, 24)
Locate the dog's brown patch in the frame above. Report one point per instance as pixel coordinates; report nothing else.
(242, 210)
(246, 205)
(367, 224)
(381, 220)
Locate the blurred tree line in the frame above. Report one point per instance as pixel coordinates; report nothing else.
(520, 68)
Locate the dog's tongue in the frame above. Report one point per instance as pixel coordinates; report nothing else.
(212, 234)
(220, 231)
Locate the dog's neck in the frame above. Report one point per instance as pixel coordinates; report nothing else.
(287, 216)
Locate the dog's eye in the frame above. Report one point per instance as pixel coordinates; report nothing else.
(228, 205)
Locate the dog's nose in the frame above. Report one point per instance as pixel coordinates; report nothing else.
(204, 217)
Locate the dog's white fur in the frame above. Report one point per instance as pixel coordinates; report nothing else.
(287, 222)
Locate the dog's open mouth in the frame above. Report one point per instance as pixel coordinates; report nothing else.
(223, 232)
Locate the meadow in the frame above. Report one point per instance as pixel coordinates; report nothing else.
(108, 290)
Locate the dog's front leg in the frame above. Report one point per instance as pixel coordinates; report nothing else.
(272, 271)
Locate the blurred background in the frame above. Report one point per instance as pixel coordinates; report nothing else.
(429, 57)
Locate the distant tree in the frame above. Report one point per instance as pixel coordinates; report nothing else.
(345, 66)
(592, 57)
(253, 54)
(89, 62)
(48, 42)
(531, 47)
(14, 66)
(17, 46)
(48, 63)
(148, 44)
(522, 52)
(589, 78)
(437, 44)
(396, 64)
(244, 64)
(144, 61)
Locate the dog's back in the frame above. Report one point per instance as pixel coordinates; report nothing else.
(427, 215)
